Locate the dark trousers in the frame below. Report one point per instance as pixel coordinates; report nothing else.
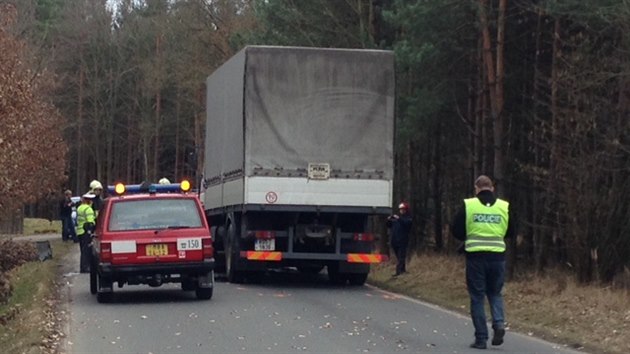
(401, 257)
(67, 228)
(84, 246)
(484, 279)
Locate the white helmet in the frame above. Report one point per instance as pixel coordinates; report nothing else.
(95, 185)
(164, 180)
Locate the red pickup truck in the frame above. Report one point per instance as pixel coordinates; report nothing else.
(151, 234)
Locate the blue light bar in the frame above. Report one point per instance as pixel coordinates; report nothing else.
(147, 188)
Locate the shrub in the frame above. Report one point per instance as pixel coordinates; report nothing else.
(13, 254)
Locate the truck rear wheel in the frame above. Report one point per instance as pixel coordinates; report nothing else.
(312, 270)
(220, 249)
(231, 257)
(334, 276)
(357, 279)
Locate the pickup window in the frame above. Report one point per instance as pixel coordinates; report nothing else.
(154, 214)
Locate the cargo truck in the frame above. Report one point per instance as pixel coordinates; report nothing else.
(299, 160)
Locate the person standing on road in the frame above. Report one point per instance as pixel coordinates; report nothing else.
(400, 226)
(86, 218)
(96, 188)
(482, 224)
(65, 214)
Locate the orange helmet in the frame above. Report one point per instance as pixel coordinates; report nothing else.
(403, 205)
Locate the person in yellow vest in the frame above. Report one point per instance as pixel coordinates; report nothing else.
(482, 224)
(86, 219)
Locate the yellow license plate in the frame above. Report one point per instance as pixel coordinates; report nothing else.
(159, 249)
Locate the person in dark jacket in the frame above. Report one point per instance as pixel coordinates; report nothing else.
(400, 226)
(65, 214)
(482, 224)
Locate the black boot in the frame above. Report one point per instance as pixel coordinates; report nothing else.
(478, 344)
(499, 333)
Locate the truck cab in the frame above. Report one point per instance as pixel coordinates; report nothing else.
(152, 234)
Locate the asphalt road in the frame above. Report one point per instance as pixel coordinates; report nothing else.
(287, 314)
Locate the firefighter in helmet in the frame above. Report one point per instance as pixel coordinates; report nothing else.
(96, 188)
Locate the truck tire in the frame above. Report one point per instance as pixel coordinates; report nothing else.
(255, 277)
(204, 293)
(357, 279)
(231, 257)
(334, 276)
(311, 270)
(220, 252)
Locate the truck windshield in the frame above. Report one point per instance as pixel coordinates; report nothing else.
(154, 214)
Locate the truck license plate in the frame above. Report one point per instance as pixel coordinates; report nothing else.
(159, 249)
(318, 170)
(265, 245)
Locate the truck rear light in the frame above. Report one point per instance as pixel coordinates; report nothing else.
(106, 252)
(263, 235)
(206, 246)
(367, 237)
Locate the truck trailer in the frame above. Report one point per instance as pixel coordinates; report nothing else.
(299, 160)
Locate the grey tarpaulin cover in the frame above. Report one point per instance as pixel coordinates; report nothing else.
(279, 108)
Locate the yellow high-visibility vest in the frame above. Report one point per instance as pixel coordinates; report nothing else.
(486, 225)
(85, 214)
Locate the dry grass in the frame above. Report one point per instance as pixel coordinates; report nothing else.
(34, 226)
(31, 320)
(553, 307)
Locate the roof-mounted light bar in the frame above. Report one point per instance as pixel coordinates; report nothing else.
(121, 188)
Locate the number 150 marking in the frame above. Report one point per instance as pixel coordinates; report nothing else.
(186, 244)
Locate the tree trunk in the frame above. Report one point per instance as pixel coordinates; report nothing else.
(480, 105)
(552, 205)
(437, 188)
(499, 99)
(158, 102)
(177, 119)
(495, 84)
(539, 244)
(80, 142)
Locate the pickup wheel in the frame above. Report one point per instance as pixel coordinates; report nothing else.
(204, 293)
(106, 295)
(104, 298)
(93, 279)
(231, 254)
(188, 285)
(357, 279)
